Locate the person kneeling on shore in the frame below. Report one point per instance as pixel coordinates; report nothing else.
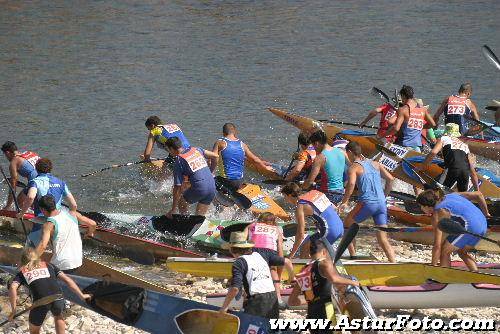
(251, 271)
(41, 279)
(315, 283)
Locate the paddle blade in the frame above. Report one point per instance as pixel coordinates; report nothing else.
(380, 94)
(225, 234)
(139, 256)
(289, 230)
(490, 56)
(348, 237)
(451, 227)
(223, 199)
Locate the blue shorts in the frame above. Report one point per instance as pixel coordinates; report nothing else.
(332, 232)
(462, 240)
(203, 196)
(334, 196)
(376, 210)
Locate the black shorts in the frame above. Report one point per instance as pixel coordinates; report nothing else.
(321, 309)
(271, 256)
(38, 314)
(460, 176)
(71, 271)
(262, 305)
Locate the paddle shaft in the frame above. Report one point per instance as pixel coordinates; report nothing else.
(16, 203)
(121, 165)
(347, 123)
(40, 302)
(292, 161)
(490, 55)
(483, 124)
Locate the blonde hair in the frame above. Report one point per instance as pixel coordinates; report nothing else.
(267, 218)
(30, 259)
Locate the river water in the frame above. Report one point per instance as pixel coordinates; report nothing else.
(78, 78)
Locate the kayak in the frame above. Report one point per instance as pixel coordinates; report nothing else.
(425, 236)
(158, 249)
(261, 202)
(158, 313)
(427, 295)
(369, 273)
(368, 144)
(10, 255)
(401, 216)
(487, 148)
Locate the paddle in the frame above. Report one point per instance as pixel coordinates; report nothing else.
(40, 302)
(483, 124)
(417, 172)
(120, 165)
(490, 55)
(347, 123)
(241, 200)
(346, 240)
(19, 184)
(225, 234)
(449, 226)
(276, 182)
(16, 203)
(380, 94)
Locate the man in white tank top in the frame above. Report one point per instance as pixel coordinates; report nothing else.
(251, 272)
(61, 227)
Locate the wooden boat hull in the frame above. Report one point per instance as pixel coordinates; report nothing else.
(160, 313)
(368, 145)
(406, 218)
(425, 236)
(369, 273)
(159, 250)
(485, 148)
(428, 295)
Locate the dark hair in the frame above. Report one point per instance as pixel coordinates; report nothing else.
(229, 128)
(428, 198)
(406, 92)
(291, 189)
(354, 147)
(174, 143)
(303, 139)
(465, 88)
(43, 165)
(9, 146)
(241, 251)
(153, 120)
(47, 202)
(318, 137)
(316, 244)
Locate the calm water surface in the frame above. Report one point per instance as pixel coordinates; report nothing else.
(78, 78)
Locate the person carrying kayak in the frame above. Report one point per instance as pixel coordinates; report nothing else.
(191, 163)
(233, 153)
(460, 209)
(159, 133)
(20, 164)
(387, 118)
(305, 159)
(367, 175)
(268, 241)
(313, 203)
(458, 160)
(41, 280)
(315, 281)
(45, 183)
(410, 121)
(332, 163)
(251, 272)
(61, 230)
(457, 107)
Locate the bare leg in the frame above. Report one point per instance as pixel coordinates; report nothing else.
(201, 209)
(60, 324)
(383, 241)
(34, 329)
(467, 258)
(183, 206)
(276, 282)
(348, 221)
(446, 250)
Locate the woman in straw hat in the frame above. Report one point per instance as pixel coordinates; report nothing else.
(458, 160)
(251, 271)
(41, 279)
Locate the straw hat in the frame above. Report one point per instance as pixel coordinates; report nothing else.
(238, 240)
(452, 130)
(494, 105)
(420, 102)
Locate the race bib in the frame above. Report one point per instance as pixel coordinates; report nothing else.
(304, 280)
(31, 157)
(389, 163)
(171, 128)
(390, 114)
(456, 109)
(457, 144)
(415, 123)
(38, 273)
(196, 161)
(321, 202)
(264, 229)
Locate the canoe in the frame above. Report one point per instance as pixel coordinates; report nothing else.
(487, 148)
(158, 313)
(427, 295)
(404, 217)
(368, 144)
(158, 249)
(425, 236)
(369, 273)
(10, 255)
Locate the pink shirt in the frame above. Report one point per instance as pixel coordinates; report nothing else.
(264, 235)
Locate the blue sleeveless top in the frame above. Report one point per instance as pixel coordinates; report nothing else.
(464, 212)
(163, 132)
(27, 170)
(233, 159)
(370, 183)
(334, 169)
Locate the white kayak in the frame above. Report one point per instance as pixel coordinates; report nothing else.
(428, 295)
